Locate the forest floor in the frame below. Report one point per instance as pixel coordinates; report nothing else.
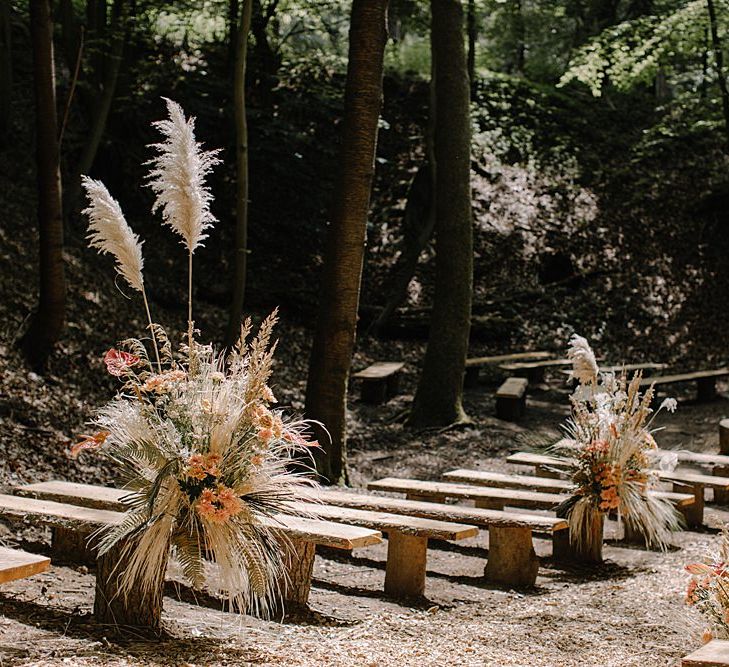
(630, 611)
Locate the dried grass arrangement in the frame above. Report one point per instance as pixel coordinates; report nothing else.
(708, 590)
(611, 449)
(193, 433)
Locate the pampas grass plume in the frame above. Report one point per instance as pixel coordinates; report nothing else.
(110, 233)
(178, 177)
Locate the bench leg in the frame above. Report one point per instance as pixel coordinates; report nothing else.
(470, 378)
(405, 570)
(374, 392)
(724, 436)
(296, 585)
(693, 513)
(512, 561)
(489, 503)
(721, 496)
(535, 376)
(510, 409)
(137, 608)
(705, 389)
(393, 385)
(425, 499)
(562, 551)
(70, 546)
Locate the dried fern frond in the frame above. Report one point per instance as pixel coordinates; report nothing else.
(178, 178)
(110, 233)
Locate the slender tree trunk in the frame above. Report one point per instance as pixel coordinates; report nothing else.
(241, 198)
(719, 63)
(6, 69)
(47, 322)
(472, 37)
(232, 20)
(438, 397)
(520, 37)
(331, 355)
(101, 116)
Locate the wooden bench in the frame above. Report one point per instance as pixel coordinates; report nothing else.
(705, 382)
(648, 369)
(300, 534)
(533, 371)
(407, 537)
(511, 399)
(713, 654)
(407, 541)
(511, 559)
(15, 564)
(474, 364)
(683, 482)
(380, 381)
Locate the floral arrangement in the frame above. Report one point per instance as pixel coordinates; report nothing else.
(200, 447)
(708, 591)
(611, 451)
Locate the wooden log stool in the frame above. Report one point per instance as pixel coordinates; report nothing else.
(511, 399)
(379, 382)
(724, 436)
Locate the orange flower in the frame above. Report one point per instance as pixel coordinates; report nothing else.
(159, 383)
(219, 505)
(90, 442)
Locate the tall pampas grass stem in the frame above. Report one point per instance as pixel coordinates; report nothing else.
(110, 233)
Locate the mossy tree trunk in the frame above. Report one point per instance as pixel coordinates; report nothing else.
(235, 314)
(47, 322)
(331, 355)
(438, 397)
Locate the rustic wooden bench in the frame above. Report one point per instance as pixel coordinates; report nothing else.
(474, 364)
(407, 537)
(533, 371)
(713, 654)
(705, 381)
(681, 501)
(511, 559)
(407, 541)
(301, 535)
(16, 564)
(683, 482)
(648, 369)
(511, 399)
(380, 381)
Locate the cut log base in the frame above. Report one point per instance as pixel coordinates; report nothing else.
(406, 565)
(721, 496)
(512, 561)
(296, 585)
(136, 609)
(71, 547)
(724, 436)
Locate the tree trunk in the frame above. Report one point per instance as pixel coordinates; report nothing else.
(241, 198)
(47, 322)
(6, 69)
(472, 37)
(719, 63)
(520, 38)
(331, 355)
(232, 20)
(438, 397)
(101, 116)
(418, 224)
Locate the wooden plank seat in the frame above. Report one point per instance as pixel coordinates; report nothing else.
(682, 501)
(407, 541)
(648, 368)
(683, 482)
(379, 381)
(533, 371)
(511, 559)
(36, 502)
(511, 399)
(719, 464)
(16, 564)
(705, 381)
(712, 654)
(474, 364)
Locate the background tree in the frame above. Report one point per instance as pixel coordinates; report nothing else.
(47, 322)
(240, 261)
(331, 355)
(438, 398)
